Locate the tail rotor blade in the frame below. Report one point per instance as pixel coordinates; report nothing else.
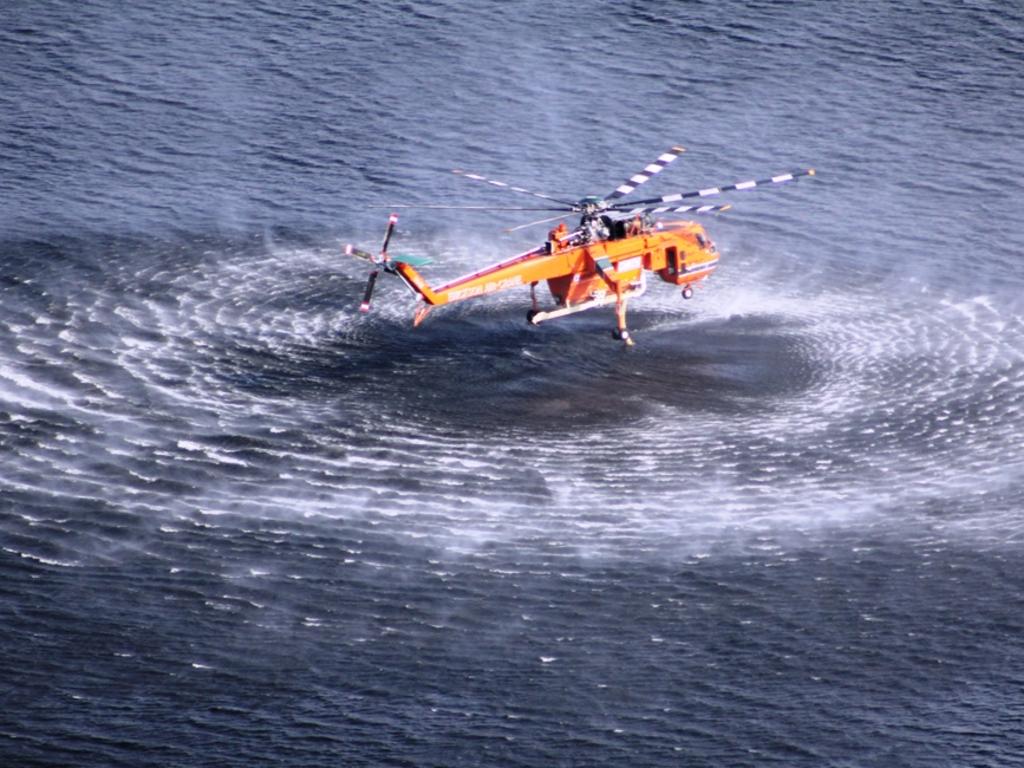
(365, 306)
(381, 262)
(392, 220)
(351, 250)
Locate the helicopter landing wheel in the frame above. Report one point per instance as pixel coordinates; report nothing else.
(687, 292)
(622, 335)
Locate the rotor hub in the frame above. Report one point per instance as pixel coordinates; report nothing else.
(591, 205)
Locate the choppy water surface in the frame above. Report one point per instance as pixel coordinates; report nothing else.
(241, 523)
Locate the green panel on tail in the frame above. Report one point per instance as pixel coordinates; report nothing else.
(412, 261)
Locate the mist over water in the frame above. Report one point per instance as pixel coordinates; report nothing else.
(242, 523)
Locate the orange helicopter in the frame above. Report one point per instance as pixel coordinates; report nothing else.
(603, 261)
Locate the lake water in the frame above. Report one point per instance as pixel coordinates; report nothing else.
(243, 524)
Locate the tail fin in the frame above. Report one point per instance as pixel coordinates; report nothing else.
(417, 284)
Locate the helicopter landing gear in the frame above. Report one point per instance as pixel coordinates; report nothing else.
(621, 333)
(534, 306)
(687, 292)
(538, 316)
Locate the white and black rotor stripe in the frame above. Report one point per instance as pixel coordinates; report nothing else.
(654, 168)
(681, 209)
(781, 178)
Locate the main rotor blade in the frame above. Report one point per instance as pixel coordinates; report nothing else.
(503, 185)
(365, 306)
(539, 221)
(719, 190)
(637, 179)
(681, 209)
(392, 220)
(472, 207)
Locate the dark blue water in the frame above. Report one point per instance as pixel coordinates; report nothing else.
(242, 524)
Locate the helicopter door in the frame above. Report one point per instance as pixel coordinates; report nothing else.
(672, 260)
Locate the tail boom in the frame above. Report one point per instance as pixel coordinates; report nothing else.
(531, 266)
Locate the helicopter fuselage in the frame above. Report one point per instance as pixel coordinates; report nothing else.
(584, 274)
